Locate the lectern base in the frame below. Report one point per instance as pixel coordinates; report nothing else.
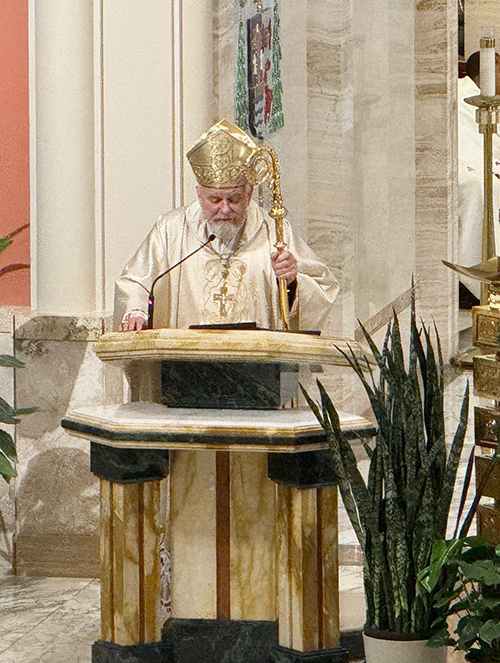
(336, 655)
(220, 640)
(153, 652)
(227, 641)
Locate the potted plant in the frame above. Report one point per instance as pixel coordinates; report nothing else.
(467, 571)
(403, 507)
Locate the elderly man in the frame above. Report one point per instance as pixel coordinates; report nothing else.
(234, 278)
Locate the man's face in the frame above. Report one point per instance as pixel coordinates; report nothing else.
(227, 205)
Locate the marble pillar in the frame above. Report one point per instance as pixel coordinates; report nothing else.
(384, 151)
(480, 16)
(436, 227)
(155, 98)
(131, 582)
(62, 157)
(332, 199)
(133, 523)
(308, 599)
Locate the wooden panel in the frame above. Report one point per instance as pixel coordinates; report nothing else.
(107, 561)
(223, 537)
(57, 555)
(488, 522)
(151, 582)
(283, 579)
(328, 599)
(487, 467)
(126, 564)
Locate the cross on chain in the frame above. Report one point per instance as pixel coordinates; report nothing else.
(223, 297)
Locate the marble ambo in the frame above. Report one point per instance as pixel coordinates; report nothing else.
(307, 469)
(285, 655)
(228, 385)
(221, 640)
(153, 652)
(128, 465)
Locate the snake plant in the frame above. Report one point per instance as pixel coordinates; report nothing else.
(403, 507)
(9, 414)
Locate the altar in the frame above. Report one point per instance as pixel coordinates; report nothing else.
(218, 523)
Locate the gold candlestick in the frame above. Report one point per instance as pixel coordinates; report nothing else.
(487, 117)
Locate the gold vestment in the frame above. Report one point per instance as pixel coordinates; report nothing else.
(214, 288)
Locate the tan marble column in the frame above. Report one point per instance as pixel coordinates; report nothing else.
(193, 534)
(478, 16)
(252, 538)
(436, 225)
(131, 587)
(222, 536)
(307, 573)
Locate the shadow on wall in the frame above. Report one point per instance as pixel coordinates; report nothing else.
(56, 496)
(57, 515)
(53, 349)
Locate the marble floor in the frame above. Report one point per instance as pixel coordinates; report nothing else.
(55, 620)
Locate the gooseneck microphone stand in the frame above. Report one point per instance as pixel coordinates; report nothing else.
(151, 298)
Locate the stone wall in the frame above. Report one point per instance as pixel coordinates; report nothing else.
(51, 510)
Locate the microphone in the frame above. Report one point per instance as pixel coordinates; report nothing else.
(151, 299)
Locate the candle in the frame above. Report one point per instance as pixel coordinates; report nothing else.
(487, 66)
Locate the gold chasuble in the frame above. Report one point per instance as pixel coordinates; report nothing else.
(216, 285)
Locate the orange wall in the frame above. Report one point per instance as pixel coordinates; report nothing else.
(14, 149)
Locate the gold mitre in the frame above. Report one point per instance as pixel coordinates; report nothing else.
(220, 156)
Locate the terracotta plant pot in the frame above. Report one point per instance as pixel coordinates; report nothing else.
(378, 650)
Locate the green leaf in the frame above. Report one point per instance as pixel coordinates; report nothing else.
(10, 361)
(7, 413)
(483, 604)
(490, 631)
(5, 242)
(25, 410)
(467, 630)
(7, 470)
(485, 571)
(442, 552)
(452, 464)
(7, 445)
(441, 639)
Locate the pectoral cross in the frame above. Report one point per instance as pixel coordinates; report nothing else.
(222, 297)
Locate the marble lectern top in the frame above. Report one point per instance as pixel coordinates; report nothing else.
(151, 425)
(227, 345)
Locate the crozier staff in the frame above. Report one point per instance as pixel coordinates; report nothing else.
(233, 278)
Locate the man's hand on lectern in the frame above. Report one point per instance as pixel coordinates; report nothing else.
(134, 321)
(284, 265)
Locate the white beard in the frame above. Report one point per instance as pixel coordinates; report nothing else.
(225, 231)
